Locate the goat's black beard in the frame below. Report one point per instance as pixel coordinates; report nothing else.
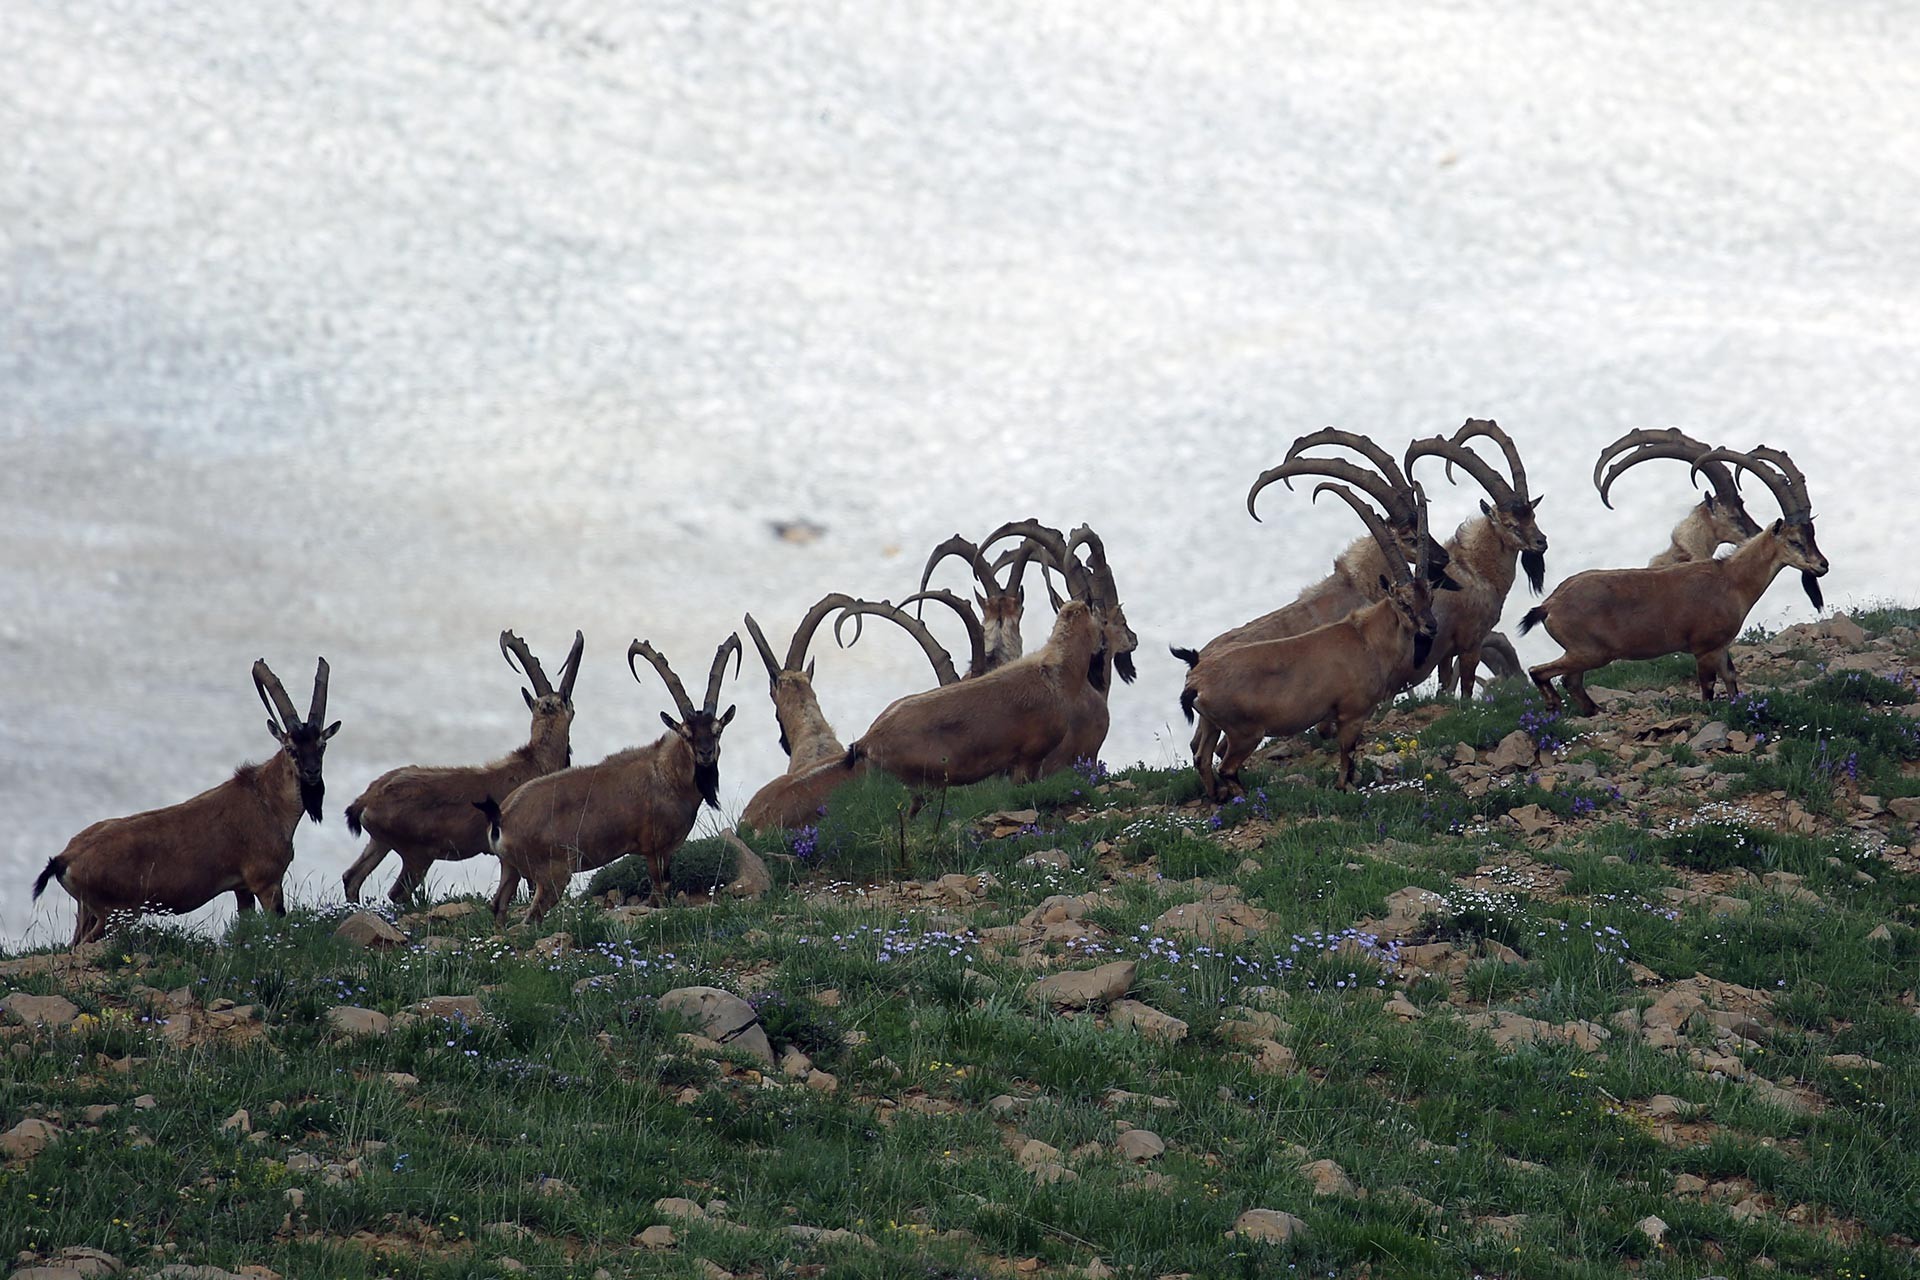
(1812, 586)
(311, 794)
(1535, 564)
(1422, 646)
(706, 780)
(1123, 663)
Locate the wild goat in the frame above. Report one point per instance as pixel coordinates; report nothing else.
(1695, 607)
(1335, 674)
(1009, 720)
(976, 634)
(234, 838)
(1000, 602)
(427, 814)
(1719, 517)
(1482, 551)
(1092, 584)
(817, 762)
(641, 800)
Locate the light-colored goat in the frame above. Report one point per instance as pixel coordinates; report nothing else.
(1006, 721)
(1720, 517)
(429, 814)
(817, 762)
(234, 838)
(1482, 551)
(1332, 675)
(1696, 607)
(1000, 602)
(642, 800)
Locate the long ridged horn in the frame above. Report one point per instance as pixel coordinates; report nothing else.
(976, 634)
(803, 634)
(1396, 554)
(766, 650)
(1474, 465)
(571, 667)
(1487, 427)
(1667, 442)
(1423, 564)
(1105, 594)
(936, 652)
(512, 646)
(974, 555)
(1788, 485)
(641, 649)
(1050, 545)
(1378, 487)
(273, 696)
(729, 646)
(1363, 445)
(317, 709)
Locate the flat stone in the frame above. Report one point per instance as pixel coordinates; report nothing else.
(722, 1017)
(27, 1139)
(365, 929)
(1214, 921)
(751, 879)
(350, 1020)
(77, 1262)
(1515, 752)
(1268, 1224)
(1140, 1146)
(1329, 1179)
(1047, 859)
(1653, 1228)
(40, 1011)
(1034, 1152)
(658, 1236)
(453, 910)
(1665, 1106)
(679, 1207)
(402, 1079)
(1081, 988)
(1271, 1058)
(1150, 1023)
(1712, 736)
(450, 1008)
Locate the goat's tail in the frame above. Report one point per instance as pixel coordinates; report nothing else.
(55, 869)
(353, 816)
(1535, 616)
(492, 812)
(1189, 656)
(1187, 695)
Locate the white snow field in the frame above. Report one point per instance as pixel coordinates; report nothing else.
(367, 330)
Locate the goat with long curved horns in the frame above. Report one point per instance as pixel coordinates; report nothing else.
(234, 838)
(429, 814)
(642, 800)
(1696, 607)
(1333, 675)
(1719, 517)
(1000, 602)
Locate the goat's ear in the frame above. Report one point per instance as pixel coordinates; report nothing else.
(331, 730)
(1485, 510)
(1384, 584)
(1776, 527)
(672, 724)
(528, 697)
(1708, 501)
(809, 668)
(727, 719)
(1447, 583)
(981, 601)
(1535, 504)
(274, 729)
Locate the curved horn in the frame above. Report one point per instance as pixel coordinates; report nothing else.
(641, 649)
(1379, 488)
(976, 634)
(803, 634)
(1362, 445)
(1491, 430)
(1053, 544)
(571, 667)
(958, 545)
(273, 695)
(1471, 462)
(317, 709)
(1395, 553)
(1669, 442)
(1423, 563)
(514, 647)
(936, 653)
(729, 646)
(1792, 504)
(766, 650)
(1795, 481)
(1105, 593)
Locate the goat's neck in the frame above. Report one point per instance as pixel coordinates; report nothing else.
(1751, 569)
(1478, 546)
(810, 739)
(1694, 538)
(1384, 633)
(547, 745)
(1001, 638)
(1360, 568)
(276, 784)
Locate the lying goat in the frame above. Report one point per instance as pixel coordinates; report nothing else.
(641, 800)
(1718, 518)
(235, 838)
(1696, 607)
(1335, 674)
(427, 814)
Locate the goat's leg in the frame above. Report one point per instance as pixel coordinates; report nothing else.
(504, 895)
(272, 897)
(413, 874)
(1236, 755)
(1350, 733)
(546, 895)
(1717, 665)
(658, 865)
(83, 923)
(1576, 684)
(1206, 738)
(1444, 672)
(1544, 675)
(372, 856)
(243, 899)
(1469, 661)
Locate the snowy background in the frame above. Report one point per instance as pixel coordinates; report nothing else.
(367, 330)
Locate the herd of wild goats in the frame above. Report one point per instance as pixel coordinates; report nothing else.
(1397, 607)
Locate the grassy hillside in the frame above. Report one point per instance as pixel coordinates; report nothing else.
(1544, 998)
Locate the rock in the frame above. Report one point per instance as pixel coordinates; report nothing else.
(40, 1011)
(365, 929)
(827, 1235)
(1905, 808)
(238, 1122)
(1799, 1101)
(1407, 911)
(1463, 753)
(722, 1017)
(1688, 1184)
(145, 1102)
(1008, 822)
(1532, 819)
(1081, 988)
(1844, 629)
(1853, 1062)
(823, 1081)
(1268, 1224)
(76, 1262)
(658, 1236)
(514, 1265)
(1653, 1228)
(795, 1063)
(1048, 1174)
(751, 879)
(553, 945)
(1034, 1152)
(1227, 920)
(1664, 1106)
(1140, 1146)
(1329, 1179)
(351, 1021)
(402, 1079)
(1045, 859)
(1271, 1058)
(1402, 1008)
(1150, 1023)
(1880, 934)
(27, 1139)
(1515, 752)
(679, 1207)
(453, 910)
(447, 1008)
(1713, 736)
